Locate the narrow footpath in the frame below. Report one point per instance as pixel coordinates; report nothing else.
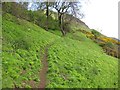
(44, 69)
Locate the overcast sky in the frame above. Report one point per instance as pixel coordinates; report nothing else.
(102, 15)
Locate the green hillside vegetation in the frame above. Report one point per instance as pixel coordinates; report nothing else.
(74, 61)
(22, 42)
(36, 53)
(0, 49)
(109, 45)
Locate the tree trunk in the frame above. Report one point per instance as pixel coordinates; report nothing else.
(47, 14)
(60, 24)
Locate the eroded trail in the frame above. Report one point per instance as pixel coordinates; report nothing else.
(43, 71)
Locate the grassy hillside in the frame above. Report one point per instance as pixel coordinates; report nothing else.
(0, 50)
(22, 42)
(73, 61)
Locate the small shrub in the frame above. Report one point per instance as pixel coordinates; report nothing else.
(95, 33)
(90, 35)
(101, 44)
(21, 44)
(109, 44)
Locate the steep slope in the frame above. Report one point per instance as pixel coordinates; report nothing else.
(82, 63)
(71, 19)
(76, 24)
(21, 46)
(73, 61)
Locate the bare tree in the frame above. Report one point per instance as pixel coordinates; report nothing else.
(45, 6)
(64, 7)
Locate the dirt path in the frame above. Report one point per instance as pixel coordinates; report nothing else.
(44, 69)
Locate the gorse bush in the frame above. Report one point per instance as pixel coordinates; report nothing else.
(107, 39)
(87, 33)
(96, 33)
(109, 44)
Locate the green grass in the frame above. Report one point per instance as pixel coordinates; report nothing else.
(81, 65)
(77, 36)
(74, 60)
(0, 49)
(21, 40)
(56, 32)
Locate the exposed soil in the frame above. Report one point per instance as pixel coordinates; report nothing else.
(44, 69)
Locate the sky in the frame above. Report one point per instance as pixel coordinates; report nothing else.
(102, 15)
